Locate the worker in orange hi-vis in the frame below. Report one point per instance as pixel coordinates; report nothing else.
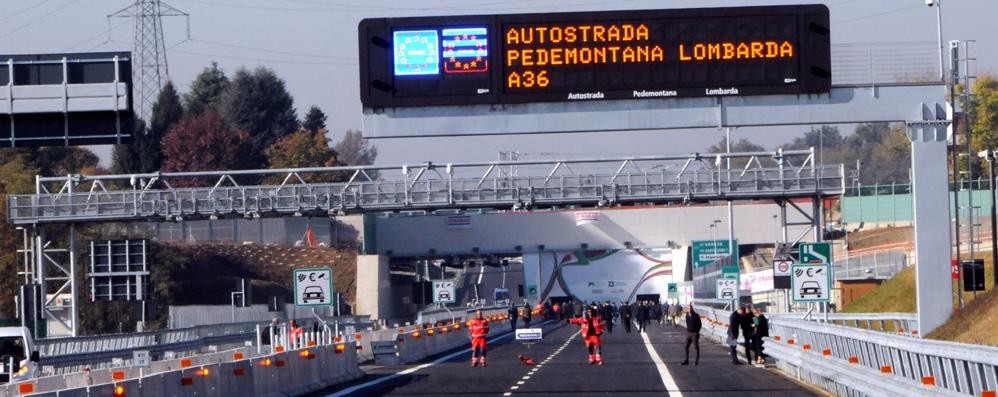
(592, 328)
(479, 328)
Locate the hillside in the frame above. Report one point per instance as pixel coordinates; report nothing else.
(976, 323)
(208, 274)
(894, 295)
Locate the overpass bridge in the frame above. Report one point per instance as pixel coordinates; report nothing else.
(429, 186)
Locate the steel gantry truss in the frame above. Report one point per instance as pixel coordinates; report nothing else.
(331, 191)
(428, 186)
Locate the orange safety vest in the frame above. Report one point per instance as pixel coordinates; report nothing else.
(479, 327)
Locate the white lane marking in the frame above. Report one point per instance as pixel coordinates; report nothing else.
(507, 394)
(448, 357)
(548, 358)
(663, 371)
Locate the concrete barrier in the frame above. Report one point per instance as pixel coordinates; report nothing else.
(289, 373)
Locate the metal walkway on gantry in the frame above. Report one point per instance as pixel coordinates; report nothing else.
(429, 186)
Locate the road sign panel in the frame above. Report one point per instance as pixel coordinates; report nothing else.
(314, 287)
(729, 272)
(529, 334)
(140, 358)
(727, 289)
(673, 291)
(443, 292)
(706, 252)
(781, 267)
(816, 253)
(811, 283)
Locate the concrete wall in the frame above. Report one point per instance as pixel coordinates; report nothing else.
(374, 287)
(643, 227)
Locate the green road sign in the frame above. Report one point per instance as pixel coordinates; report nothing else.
(706, 252)
(673, 291)
(815, 253)
(729, 272)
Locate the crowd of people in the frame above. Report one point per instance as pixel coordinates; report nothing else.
(595, 318)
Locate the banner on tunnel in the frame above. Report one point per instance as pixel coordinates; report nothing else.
(601, 275)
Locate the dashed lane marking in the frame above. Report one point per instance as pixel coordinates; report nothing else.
(549, 358)
(384, 379)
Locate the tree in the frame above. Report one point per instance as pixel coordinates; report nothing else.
(825, 137)
(16, 177)
(985, 113)
(259, 104)
(59, 160)
(891, 159)
(741, 145)
(315, 119)
(201, 143)
(206, 90)
(301, 150)
(353, 149)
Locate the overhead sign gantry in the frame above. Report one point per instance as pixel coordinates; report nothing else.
(638, 54)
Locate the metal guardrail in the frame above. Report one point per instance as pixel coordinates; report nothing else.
(873, 265)
(425, 187)
(900, 323)
(955, 368)
(84, 350)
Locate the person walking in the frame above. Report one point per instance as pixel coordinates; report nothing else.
(556, 308)
(513, 316)
(478, 327)
(592, 328)
(734, 324)
(693, 326)
(674, 314)
(642, 316)
(526, 315)
(606, 311)
(664, 313)
(295, 334)
(656, 312)
(625, 316)
(761, 330)
(745, 322)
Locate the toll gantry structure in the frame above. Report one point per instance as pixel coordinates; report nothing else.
(70, 200)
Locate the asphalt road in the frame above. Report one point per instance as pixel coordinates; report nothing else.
(629, 369)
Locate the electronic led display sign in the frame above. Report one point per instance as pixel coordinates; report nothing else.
(493, 59)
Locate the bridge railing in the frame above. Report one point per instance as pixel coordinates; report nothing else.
(66, 354)
(872, 265)
(862, 359)
(174, 196)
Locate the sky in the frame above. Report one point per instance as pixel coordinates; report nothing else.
(312, 45)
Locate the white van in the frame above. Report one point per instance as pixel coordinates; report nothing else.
(18, 359)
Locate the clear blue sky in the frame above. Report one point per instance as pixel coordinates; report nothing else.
(312, 44)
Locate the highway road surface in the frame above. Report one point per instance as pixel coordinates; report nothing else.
(635, 365)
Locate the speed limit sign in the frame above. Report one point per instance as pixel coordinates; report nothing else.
(781, 267)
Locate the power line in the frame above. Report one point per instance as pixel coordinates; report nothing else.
(46, 15)
(102, 33)
(390, 8)
(844, 21)
(272, 51)
(36, 5)
(239, 58)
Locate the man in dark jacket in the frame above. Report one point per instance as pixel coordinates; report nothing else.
(513, 315)
(606, 311)
(625, 316)
(745, 320)
(642, 316)
(693, 325)
(761, 324)
(734, 324)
